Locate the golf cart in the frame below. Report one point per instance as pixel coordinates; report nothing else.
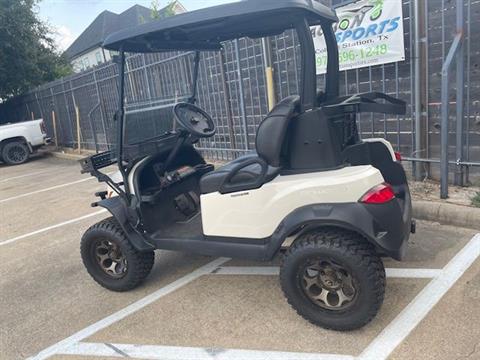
(328, 202)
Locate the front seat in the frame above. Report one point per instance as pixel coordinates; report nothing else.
(253, 170)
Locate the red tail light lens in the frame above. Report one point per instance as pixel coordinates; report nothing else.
(43, 128)
(398, 156)
(379, 194)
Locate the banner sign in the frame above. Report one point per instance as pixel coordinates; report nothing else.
(369, 32)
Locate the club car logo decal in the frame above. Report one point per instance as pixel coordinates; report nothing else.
(368, 32)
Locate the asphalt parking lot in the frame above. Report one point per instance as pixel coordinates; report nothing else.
(193, 307)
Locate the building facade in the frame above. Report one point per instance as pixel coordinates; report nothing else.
(86, 51)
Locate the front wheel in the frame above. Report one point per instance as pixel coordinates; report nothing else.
(110, 258)
(334, 279)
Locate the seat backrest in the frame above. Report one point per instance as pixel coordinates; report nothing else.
(272, 130)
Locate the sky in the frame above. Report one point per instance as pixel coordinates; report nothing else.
(70, 17)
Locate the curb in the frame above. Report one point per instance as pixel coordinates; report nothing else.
(447, 214)
(67, 156)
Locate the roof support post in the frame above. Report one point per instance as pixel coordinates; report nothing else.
(120, 119)
(332, 77)
(308, 88)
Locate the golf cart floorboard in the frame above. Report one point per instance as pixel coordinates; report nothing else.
(188, 237)
(190, 229)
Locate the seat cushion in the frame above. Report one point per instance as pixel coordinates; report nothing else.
(213, 181)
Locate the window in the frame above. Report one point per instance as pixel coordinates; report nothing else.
(86, 62)
(99, 57)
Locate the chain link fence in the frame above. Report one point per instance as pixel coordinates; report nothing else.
(232, 87)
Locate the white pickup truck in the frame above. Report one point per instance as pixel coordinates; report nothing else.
(19, 140)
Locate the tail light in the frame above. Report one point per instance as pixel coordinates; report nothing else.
(43, 128)
(398, 156)
(379, 194)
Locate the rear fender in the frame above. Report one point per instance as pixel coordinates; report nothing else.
(118, 209)
(383, 227)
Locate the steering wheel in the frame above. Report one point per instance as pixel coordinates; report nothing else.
(194, 120)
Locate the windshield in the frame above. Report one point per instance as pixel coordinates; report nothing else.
(154, 83)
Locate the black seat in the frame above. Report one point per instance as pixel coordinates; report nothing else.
(254, 169)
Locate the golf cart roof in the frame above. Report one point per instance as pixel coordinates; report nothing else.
(205, 29)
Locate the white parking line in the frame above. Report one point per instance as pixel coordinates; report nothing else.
(379, 349)
(44, 190)
(394, 334)
(24, 176)
(181, 353)
(6, 242)
(275, 270)
(61, 346)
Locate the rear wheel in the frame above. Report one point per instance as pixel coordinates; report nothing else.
(334, 279)
(110, 258)
(15, 153)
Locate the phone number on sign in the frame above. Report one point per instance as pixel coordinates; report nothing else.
(354, 55)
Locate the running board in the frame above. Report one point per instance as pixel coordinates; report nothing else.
(234, 248)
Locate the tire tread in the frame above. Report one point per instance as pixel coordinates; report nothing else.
(348, 244)
(143, 261)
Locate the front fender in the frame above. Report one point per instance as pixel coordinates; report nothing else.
(382, 224)
(118, 209)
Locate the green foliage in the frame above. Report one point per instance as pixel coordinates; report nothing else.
(155, 9)
(476, 200)
(159, 13)
(28, 56)
(170, 9)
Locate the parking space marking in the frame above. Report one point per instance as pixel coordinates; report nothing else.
(47, 189)
(379, 349)
(181, 353)
(396, 332)
(48, 228)
(275, 270)
(62, 345)
(24, 176)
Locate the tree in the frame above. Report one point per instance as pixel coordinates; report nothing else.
(28, 56)
(158, 13)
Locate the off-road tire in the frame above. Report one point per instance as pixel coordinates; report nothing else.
(354, 253)
(22, 153)
(139, 263)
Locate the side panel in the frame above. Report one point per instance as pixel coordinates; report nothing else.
(257, 213)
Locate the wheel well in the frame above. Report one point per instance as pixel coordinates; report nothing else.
(13, 139)
(303, 229)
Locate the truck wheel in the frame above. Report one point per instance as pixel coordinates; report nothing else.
(334, 279)
(110, 258)
(15, 153)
